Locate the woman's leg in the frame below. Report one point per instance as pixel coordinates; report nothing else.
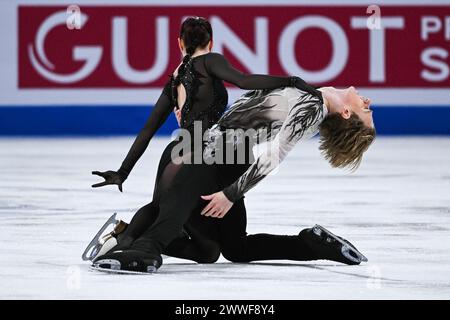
(140, 222)
(177, 202)
(197, 248)
(200, 247)
(192, 246)
(146, 215)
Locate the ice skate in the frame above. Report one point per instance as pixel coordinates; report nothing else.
(127, 262)
(328, 246)
(102, 244)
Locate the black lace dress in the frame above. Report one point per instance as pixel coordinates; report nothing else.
(206, 99)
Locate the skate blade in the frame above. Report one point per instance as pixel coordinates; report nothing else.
(94, 246)
(115, 268)
(346, 247)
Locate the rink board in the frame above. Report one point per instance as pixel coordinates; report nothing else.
(104, 78)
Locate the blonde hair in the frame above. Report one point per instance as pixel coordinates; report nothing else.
(344, 141)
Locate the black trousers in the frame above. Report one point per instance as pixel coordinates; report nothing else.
(158, 227)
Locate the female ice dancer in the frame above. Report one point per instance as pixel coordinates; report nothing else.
(281, 117)
(197, 91)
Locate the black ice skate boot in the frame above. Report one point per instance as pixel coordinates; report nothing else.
(100, 245)
(127, 262)
(328, 246)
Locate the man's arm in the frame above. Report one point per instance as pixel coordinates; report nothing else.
(302, 121)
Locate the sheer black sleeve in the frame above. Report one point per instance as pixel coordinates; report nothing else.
(219, 67)
(160, 113)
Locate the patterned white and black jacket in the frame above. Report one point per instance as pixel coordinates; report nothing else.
(278, 118)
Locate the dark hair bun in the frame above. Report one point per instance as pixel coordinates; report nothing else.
(196, 32)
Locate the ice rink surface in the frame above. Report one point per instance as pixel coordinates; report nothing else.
(395, 209)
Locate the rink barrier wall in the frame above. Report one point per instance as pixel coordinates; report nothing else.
(77, 120)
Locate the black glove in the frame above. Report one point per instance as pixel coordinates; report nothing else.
(111, 177)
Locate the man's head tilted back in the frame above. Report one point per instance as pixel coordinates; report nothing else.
(348, 130)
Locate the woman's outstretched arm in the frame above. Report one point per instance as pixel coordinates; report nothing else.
(161, 111)
(219, 66)
(159, 115)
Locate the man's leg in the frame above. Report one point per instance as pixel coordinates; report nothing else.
(310, 244)
(237, 246)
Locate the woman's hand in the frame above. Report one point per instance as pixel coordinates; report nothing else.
(177, 115)
(111, 177)
(218, 206)
(301, 84)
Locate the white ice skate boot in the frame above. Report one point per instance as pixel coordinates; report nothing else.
(100, 245)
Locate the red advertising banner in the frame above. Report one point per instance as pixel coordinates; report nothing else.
(136, 46)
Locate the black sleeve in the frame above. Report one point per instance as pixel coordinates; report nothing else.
(219, 67)
(161, 111)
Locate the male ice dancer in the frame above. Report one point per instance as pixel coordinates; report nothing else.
(280, 117)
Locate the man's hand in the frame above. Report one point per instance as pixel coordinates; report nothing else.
(218, 206)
